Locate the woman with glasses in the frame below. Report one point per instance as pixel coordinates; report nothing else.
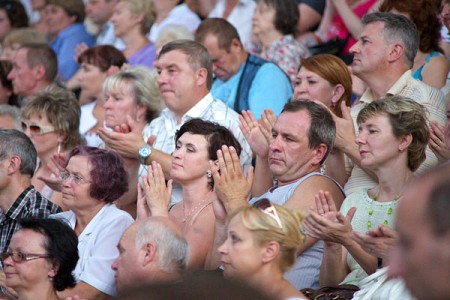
(197, 142)
(40, 259)
(51, 120)
(92, 180)
(261, 244)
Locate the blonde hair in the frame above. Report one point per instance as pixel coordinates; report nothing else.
(144, 7)
(24, 35)
(141, 83)
(265, 229)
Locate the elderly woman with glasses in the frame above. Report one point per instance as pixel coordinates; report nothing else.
(40, 259)
(261, 244)
(51, 120)
(91, 181)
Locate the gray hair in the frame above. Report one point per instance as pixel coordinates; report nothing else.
(16, 143)
(173, 249)
(397, 28)
(141, 82)
(13, 112)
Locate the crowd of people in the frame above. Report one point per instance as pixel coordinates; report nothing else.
(253, 149)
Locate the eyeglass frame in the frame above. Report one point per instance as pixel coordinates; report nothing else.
(77, 179)
(43, 129)
(269, 210)
(23, 257)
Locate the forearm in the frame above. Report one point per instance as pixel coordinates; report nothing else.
(365, 260)
(351, 20)
(332, 270)
(262, 179)
(327, 18)
(164, 159)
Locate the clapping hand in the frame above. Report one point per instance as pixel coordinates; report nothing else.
(438, 142)
(58, 164)
(378, 242)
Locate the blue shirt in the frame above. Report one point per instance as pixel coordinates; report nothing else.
(64, 46)
(270, 89)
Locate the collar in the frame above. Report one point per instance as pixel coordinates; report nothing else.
(395, 89)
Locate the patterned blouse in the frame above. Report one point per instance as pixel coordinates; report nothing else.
(286, 53)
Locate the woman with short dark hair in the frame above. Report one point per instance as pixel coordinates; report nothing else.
(92, 180)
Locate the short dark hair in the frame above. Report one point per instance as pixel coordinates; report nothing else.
(109, 179)
(322, 129)
(216, 135)
(16, 13)
(198, 56)
(42, 54)
(103, 56)
(286, 15)
(61, 245)
(223, 30)
(5, 68)
(397, 28)
(17, 143)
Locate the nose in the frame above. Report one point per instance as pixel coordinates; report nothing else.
(355, 48)
(107, 102)
(361, 138)
(177, 153)
(8, 261)
(115, 263)
(223, 248)
(275, 144)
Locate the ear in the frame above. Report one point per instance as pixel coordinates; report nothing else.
(73, 19)
(39, 72)
(201, 76)
(140, 114)
(235, 46)
(149, 253)
(112, 70)
(138, 18)
(14, 164)
(395, 52)
(271, 251)
(338, 91)
(319, 154)
(54, 270)
(405, 141)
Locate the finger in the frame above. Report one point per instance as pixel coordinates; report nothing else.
(350, 214)
(169, 187)
(235, 160)
(222, 166)
(151, 140)
(330, 201)
(227, 159)
(346, 111)
(250, 176)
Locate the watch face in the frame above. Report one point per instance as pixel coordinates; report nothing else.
(145, 151)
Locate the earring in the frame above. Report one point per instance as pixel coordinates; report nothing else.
(58, 147)
(208, 174)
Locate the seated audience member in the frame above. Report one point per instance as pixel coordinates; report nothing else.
(171, 33)
(421, 256)
(261, 245)
(304, 129)
(138, 49)
(153, 251)
(40, 259)
(10, 117)
(243, 81)
(172, 13)
(273, 32)
(18, 197)
(341, 20)
(186, 96)
(393, 135)
(37, 16)
(65, 23)
(34, 68)
(384, 75)
(311, 12)
(51, 120)
(7, 95)
(13, 16)
(100, 13)
(91, 181)
(197, 142)
(96, 64)
(430, 64)
(326, 79)
(440, 138)
(238, 13)
(17, 37)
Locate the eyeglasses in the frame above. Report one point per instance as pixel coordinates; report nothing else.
(266, 207)
(65, 175)
(19, 257)
(37, 129)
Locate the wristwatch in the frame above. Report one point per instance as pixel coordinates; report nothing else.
(144, 152)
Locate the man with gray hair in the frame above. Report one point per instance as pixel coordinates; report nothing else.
(18, 198)
(151, 251)
(383, 57)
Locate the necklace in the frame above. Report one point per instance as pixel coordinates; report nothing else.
(389, 211)
(195, 209)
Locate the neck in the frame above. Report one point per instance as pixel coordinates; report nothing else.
(379, 84)
(134, 41)
(85, 216)
(9, 194)
(391, 182)
(45, 293)
(306, 170)
(195, 193)
(199, 94)
(269, 280)
(268, 38)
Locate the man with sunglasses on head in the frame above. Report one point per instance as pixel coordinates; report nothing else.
(18, 198)
(302, 137)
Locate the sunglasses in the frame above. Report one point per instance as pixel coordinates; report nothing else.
(19, 257)
(266, 207)
(37, 129)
